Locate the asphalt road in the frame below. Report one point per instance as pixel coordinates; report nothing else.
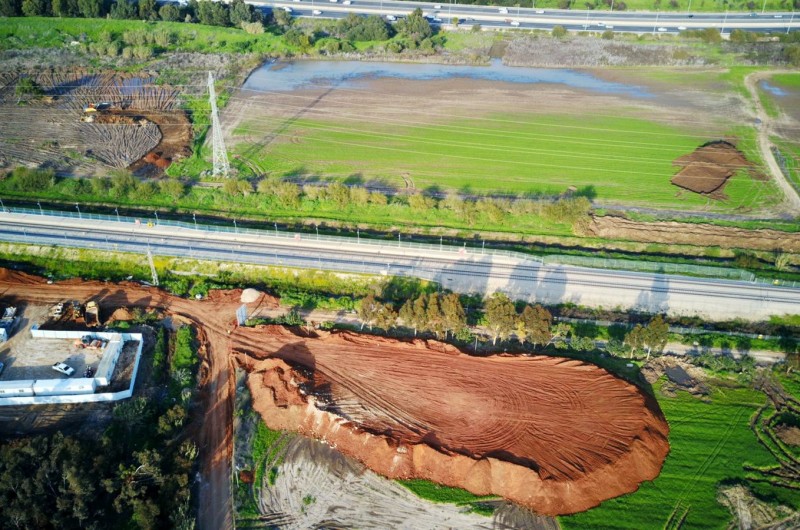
(455, 268)
(545, 19)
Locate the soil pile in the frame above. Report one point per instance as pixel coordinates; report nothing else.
(556, 435)
(708, 168)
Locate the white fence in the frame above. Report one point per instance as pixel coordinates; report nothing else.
(73, 397)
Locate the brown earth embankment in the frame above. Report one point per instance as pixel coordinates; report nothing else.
(556, 435)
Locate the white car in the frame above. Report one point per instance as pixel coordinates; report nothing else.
(347, 2)
(503, 10)
(437, 6)
(514, 23)
(287, 9)
(662, 29)
(64, 369)
(316, 12)
(601, 24)
(609, 27)
(391, 18)
(540, 11)
(681, 28)
(333, 1)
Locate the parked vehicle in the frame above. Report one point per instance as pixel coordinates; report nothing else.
(89, 372)
(57, 310)
(64, 369)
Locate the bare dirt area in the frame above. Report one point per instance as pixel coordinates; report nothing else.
(672, 232)
(555, 435)
(121, 121)
(534, 50)
(316, 486)
(708, 168)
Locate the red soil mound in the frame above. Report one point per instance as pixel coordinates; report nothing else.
(556, 435)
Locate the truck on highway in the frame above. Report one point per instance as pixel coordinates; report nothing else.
(92, 314)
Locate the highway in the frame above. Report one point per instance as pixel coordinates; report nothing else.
(490, 17)
(455, 268)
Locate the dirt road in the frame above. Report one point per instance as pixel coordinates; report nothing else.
(215, 319)
(764, 144)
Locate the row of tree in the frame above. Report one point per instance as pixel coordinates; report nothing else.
(208, 12)
(444, 316)
(569, 209)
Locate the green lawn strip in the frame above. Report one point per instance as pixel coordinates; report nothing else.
(709, 443)
(786, 80)
(434, 492)
(43, 32)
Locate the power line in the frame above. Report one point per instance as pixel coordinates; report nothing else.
(220, 157)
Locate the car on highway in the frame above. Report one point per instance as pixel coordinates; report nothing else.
(347, 2)
(503, 10)
(514, 23)
(437, 20)
(609, 26)
(540, 11)
(391, 18)
(662, 29)
(437, 6)
(64, 368)
(681, 28)
(316, 12)
(778, 16)
(287, 9)
(600, 24)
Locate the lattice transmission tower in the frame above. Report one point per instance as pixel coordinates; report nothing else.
(221, 165)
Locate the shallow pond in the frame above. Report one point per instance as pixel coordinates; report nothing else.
(355, 74)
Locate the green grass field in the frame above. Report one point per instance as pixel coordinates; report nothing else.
(709, 443)
(621, 159)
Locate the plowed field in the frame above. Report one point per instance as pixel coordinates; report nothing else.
(553, 434)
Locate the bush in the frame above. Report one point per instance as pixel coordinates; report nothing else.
(558, 32)
(184, 356)
(26, 179)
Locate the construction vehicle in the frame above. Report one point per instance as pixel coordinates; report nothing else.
(8, 322)
(57, 310)
(92, 314)
(77, 310)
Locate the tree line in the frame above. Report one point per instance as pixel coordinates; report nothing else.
(236, 13)
(444, 316)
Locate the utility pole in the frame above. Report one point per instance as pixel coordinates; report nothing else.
(153, 273)
(220, 158)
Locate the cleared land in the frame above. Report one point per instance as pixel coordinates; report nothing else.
(478, 136)
(140, 127)
(543, 431)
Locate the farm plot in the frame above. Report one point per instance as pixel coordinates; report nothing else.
(489, 137)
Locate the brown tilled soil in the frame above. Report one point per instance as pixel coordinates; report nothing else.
(707, 169)
(672, 232)
(556, 435)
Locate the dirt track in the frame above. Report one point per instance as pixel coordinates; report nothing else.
(556, 435)
(673, 232)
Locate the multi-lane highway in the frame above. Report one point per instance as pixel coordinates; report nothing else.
(545, 19)
(454, 267)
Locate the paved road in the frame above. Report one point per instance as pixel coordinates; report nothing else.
(545, 19)
(455, 268)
